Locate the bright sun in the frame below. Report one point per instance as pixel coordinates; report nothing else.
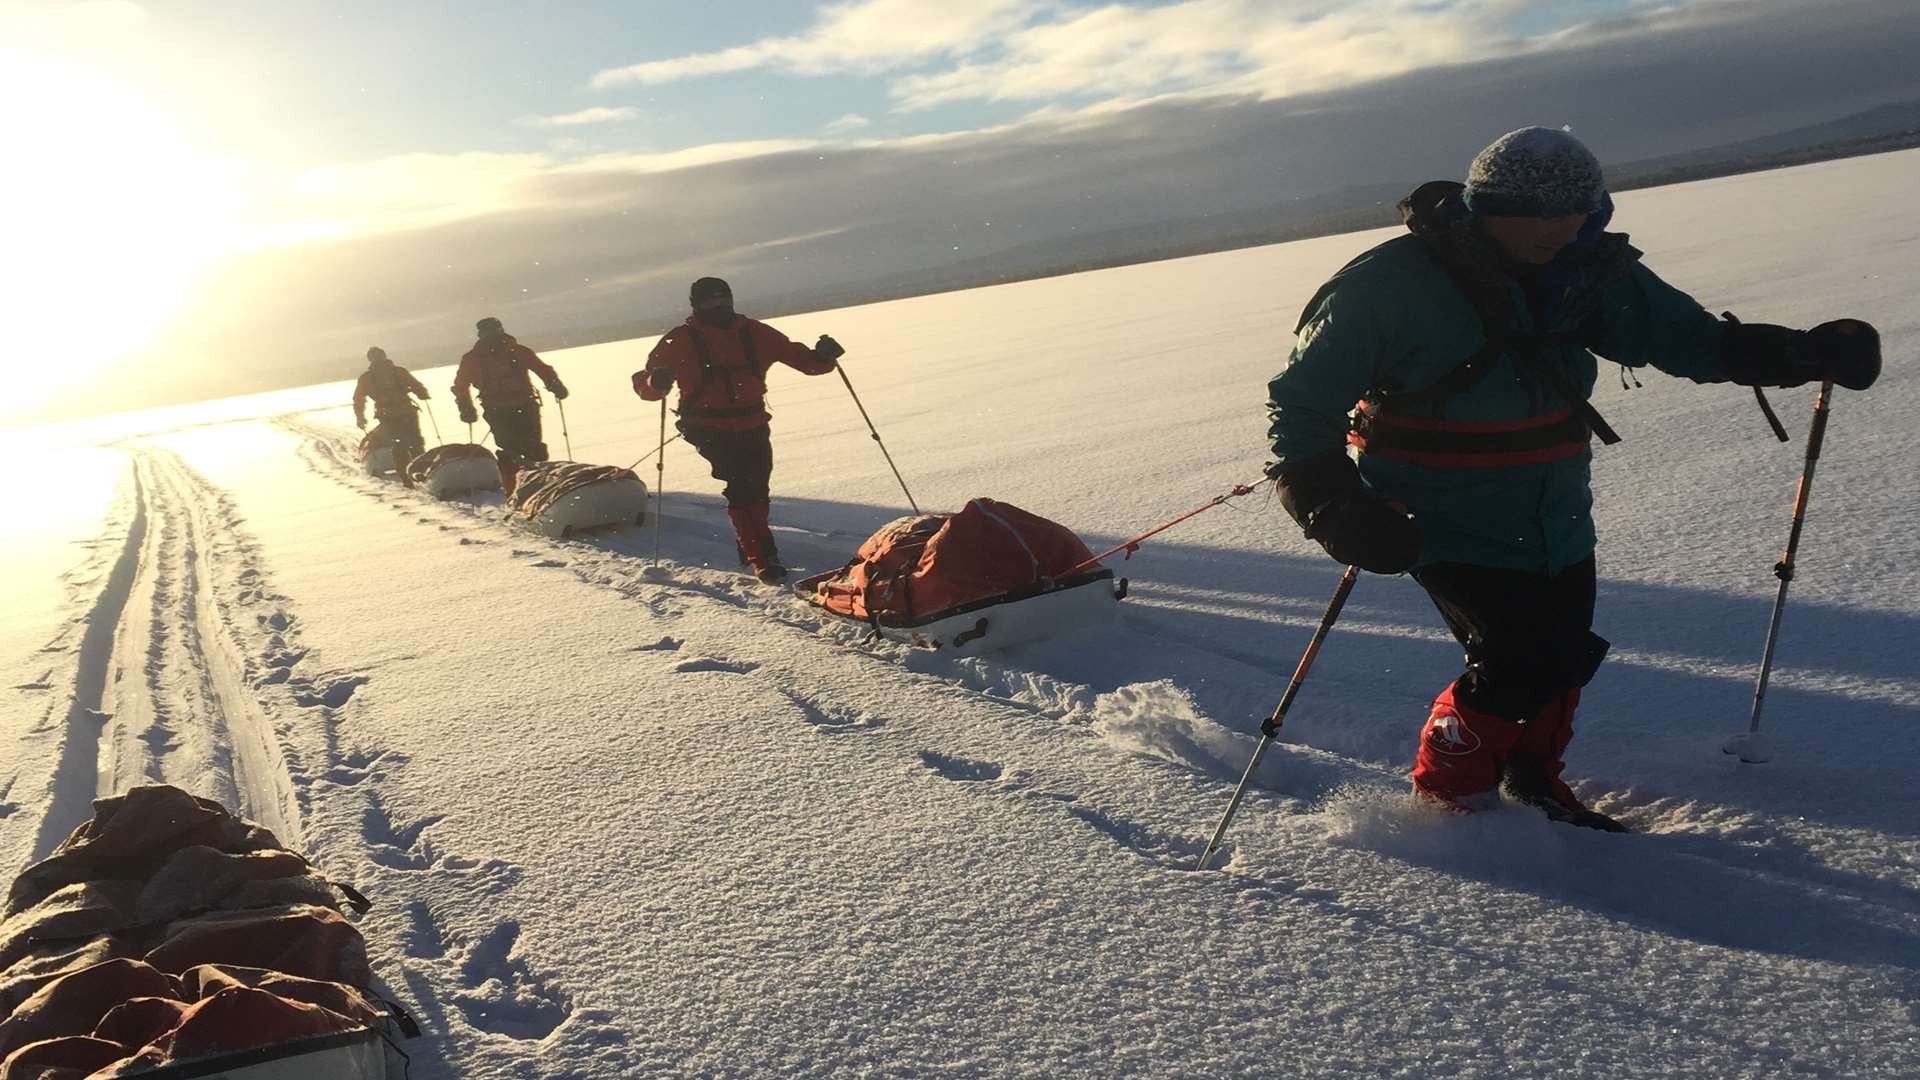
(110, 215)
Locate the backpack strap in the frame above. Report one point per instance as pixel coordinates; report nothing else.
(708, 367)
(1473, 369)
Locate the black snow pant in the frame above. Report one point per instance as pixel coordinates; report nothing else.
(742, 460)
(403, 430)
(516, 431)
(1529, 637)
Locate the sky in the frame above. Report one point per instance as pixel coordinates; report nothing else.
(223, 197)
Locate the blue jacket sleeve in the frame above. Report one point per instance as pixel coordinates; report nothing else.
(1642, 320)
(1343, 343)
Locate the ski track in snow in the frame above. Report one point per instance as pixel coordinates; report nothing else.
(1733, 936)
(1354, 801)
(188, 669)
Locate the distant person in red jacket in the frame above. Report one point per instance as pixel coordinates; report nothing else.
(392, 389)
(499, 367)
(720, 361)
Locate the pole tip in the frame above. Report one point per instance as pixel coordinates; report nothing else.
(1749, 746)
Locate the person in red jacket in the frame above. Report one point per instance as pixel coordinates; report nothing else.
(720, 361)
(500, 368)
(395, 416)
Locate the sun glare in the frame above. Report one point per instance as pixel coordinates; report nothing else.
(111, 215)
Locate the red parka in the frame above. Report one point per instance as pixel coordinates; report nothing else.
(722, 370)
(499, 368)
(388, 385)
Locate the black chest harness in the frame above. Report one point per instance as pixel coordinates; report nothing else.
(1384, 423)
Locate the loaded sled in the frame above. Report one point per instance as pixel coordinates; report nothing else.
(455, 469)
(986, 578)
(167, 938)
(561, 498)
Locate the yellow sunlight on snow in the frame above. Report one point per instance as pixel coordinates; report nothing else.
(110, 216)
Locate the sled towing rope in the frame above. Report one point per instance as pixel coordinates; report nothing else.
(1133, 545)
(1751, 746)
(1271, 727)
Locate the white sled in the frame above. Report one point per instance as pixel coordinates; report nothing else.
(1087, 601)
(461, 476)
(599, 505)
(349, 1055)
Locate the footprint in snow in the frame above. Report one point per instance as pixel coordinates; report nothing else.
(358, 766)
(501, 992)
(959, 769)
(708, 663)
(551, 564)
(833, 719)
(397, 847)
(665, 644)
(422, 939)
(330, 695)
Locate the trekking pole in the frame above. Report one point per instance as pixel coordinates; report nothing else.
(1133, 545)
(659, 481)
(1751, 747)
(876, 437)
(436, 425)
(1271, 727)
(567, 438)
(469, 434)
(636, 463)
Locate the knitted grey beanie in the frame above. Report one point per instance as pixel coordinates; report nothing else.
(1535, 172)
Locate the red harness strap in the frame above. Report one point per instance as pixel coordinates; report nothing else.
(1469, 444)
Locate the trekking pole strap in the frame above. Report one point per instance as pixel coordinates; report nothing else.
(1773, 419)
(1133, 545)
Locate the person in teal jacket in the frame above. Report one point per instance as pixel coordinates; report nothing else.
(1456, 362)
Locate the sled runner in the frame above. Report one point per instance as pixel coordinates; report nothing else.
(988, 577)
(168, 938)
(455, 469)
(561, 498)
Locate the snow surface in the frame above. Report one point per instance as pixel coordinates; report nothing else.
(621, 821)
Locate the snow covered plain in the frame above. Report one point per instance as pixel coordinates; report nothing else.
(620, 824)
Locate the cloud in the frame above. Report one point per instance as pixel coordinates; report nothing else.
(1219, 46)
(561, 247)
(1027, 50)
(858, 36)
(598, 114)
(848, 122)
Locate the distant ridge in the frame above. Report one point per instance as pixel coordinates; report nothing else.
(1879, 130)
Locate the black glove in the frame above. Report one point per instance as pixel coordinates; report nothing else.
(467, 415)
(362, 421)
(659, 380)
(1326, 496)
(1761, 354)
(424, 395)
(1846, 351)
(827, 349)
(558, 389)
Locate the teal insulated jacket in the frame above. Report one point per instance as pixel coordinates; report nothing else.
(1399, 318)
